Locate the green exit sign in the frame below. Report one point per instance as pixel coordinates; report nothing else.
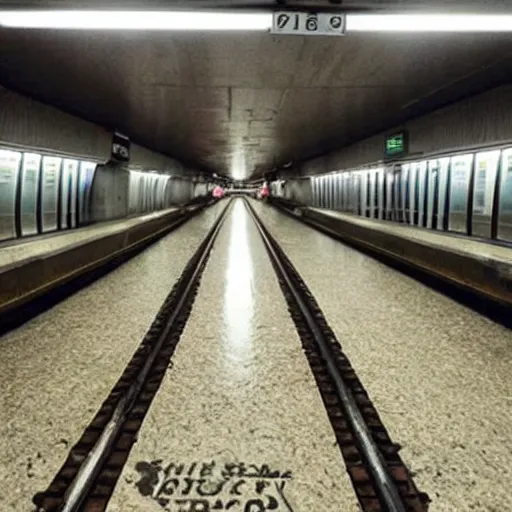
(396, 144)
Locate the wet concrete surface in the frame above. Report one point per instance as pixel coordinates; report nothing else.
(438, 373)
(238, 423)
(56, 370)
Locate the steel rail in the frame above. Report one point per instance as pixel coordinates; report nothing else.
(79, 488)
(383, 481)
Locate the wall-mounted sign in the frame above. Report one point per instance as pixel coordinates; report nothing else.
(305, 23)
(120, 147)
(397, 144)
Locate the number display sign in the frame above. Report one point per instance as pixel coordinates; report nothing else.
(304, 23)
(120, 147)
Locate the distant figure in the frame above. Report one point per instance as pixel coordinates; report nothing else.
(264, 192)
(218, 192)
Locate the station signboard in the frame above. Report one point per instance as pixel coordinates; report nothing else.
(308, 24)
(397, 144)
(120, 147)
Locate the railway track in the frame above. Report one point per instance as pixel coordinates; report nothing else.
(380, 478)
(89, 475)
(87, 478)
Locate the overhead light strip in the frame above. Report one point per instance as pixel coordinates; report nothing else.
(429, 23)
(135, 20)
(206, 21)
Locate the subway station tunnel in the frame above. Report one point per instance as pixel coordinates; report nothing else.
(255, 256)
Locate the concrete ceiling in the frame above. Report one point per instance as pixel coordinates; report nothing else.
(242, 103)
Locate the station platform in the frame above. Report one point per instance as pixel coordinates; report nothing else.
(22, 249)
(474, 265)
(239, 403)
(440, 239)
(32, 267)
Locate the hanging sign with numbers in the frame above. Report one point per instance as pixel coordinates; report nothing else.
(120, 147)
(304, 23)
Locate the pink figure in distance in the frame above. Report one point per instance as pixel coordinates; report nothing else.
(218, 192)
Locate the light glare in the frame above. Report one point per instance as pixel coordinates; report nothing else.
(206, 21)
(429, 23)
(133, 20)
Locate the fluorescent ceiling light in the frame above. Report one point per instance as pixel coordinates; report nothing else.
(429, 23)
(197, 20)
(133, 20)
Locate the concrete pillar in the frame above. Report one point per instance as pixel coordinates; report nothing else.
(109, 198)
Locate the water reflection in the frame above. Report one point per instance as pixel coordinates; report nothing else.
(238, 298)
